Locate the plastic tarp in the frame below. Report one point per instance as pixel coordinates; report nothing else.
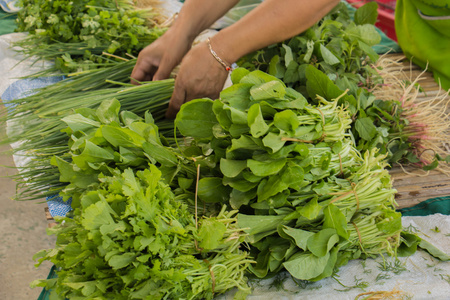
(423, 277)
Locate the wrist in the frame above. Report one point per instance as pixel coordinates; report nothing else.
(226, 65)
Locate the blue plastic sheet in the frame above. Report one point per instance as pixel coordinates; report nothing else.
(21, 89)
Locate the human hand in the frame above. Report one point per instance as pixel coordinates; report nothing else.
(200, 76)
(157, 60)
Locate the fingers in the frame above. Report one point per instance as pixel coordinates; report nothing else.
(143, 70)
(165, 68)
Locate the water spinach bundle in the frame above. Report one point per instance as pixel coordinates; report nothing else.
(307, 198)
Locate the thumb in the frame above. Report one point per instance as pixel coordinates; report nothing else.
(178, 98)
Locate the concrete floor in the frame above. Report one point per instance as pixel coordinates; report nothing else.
(22, 234)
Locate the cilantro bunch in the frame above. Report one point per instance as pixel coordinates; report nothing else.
(76, 33)
(131, 239)
(137, 238)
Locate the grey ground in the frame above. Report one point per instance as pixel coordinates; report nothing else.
(22, 234)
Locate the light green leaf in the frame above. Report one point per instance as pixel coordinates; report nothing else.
(238, 74)
(367, 14)
(258, 127)
(300, 236)
(77, 122)
(211, 190)
(210, 233)
(288, 57)
(160, 153)
(434, 251)
(286, 120)
(334, 218)
(328, 56)
(321, 242)
(266, 168)
(258, 77)
(108, 111)
(305, 266)
(121, 260)
(196, 119)
(232, 168)
(310, 210)
(269, 90)
(273, 141)
(118, 136)
(276, 68)
(366, 129)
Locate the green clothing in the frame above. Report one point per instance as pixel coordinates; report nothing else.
(423, 32)
(7, 22)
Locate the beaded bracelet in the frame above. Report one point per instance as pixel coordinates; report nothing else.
(221, 61)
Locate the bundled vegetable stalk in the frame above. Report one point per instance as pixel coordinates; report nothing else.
(132, 239)
(35, 121)
(308, 200)
(75, 34)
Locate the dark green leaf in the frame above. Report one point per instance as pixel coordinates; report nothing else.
(211, 190)
(366, 129)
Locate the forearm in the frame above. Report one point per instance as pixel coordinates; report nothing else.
(198, 15)
(271, 22)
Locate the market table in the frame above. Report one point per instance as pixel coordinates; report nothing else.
(420, 275)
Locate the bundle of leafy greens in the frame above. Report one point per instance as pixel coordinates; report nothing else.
(307, 198)
(35, 122)
(132, 239)
(76, 33)
(340, 45)
(104, 139)
(307, 201)
(129, 235)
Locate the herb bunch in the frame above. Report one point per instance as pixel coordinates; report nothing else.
(131, 239)
(35, 122)
(76, 33)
